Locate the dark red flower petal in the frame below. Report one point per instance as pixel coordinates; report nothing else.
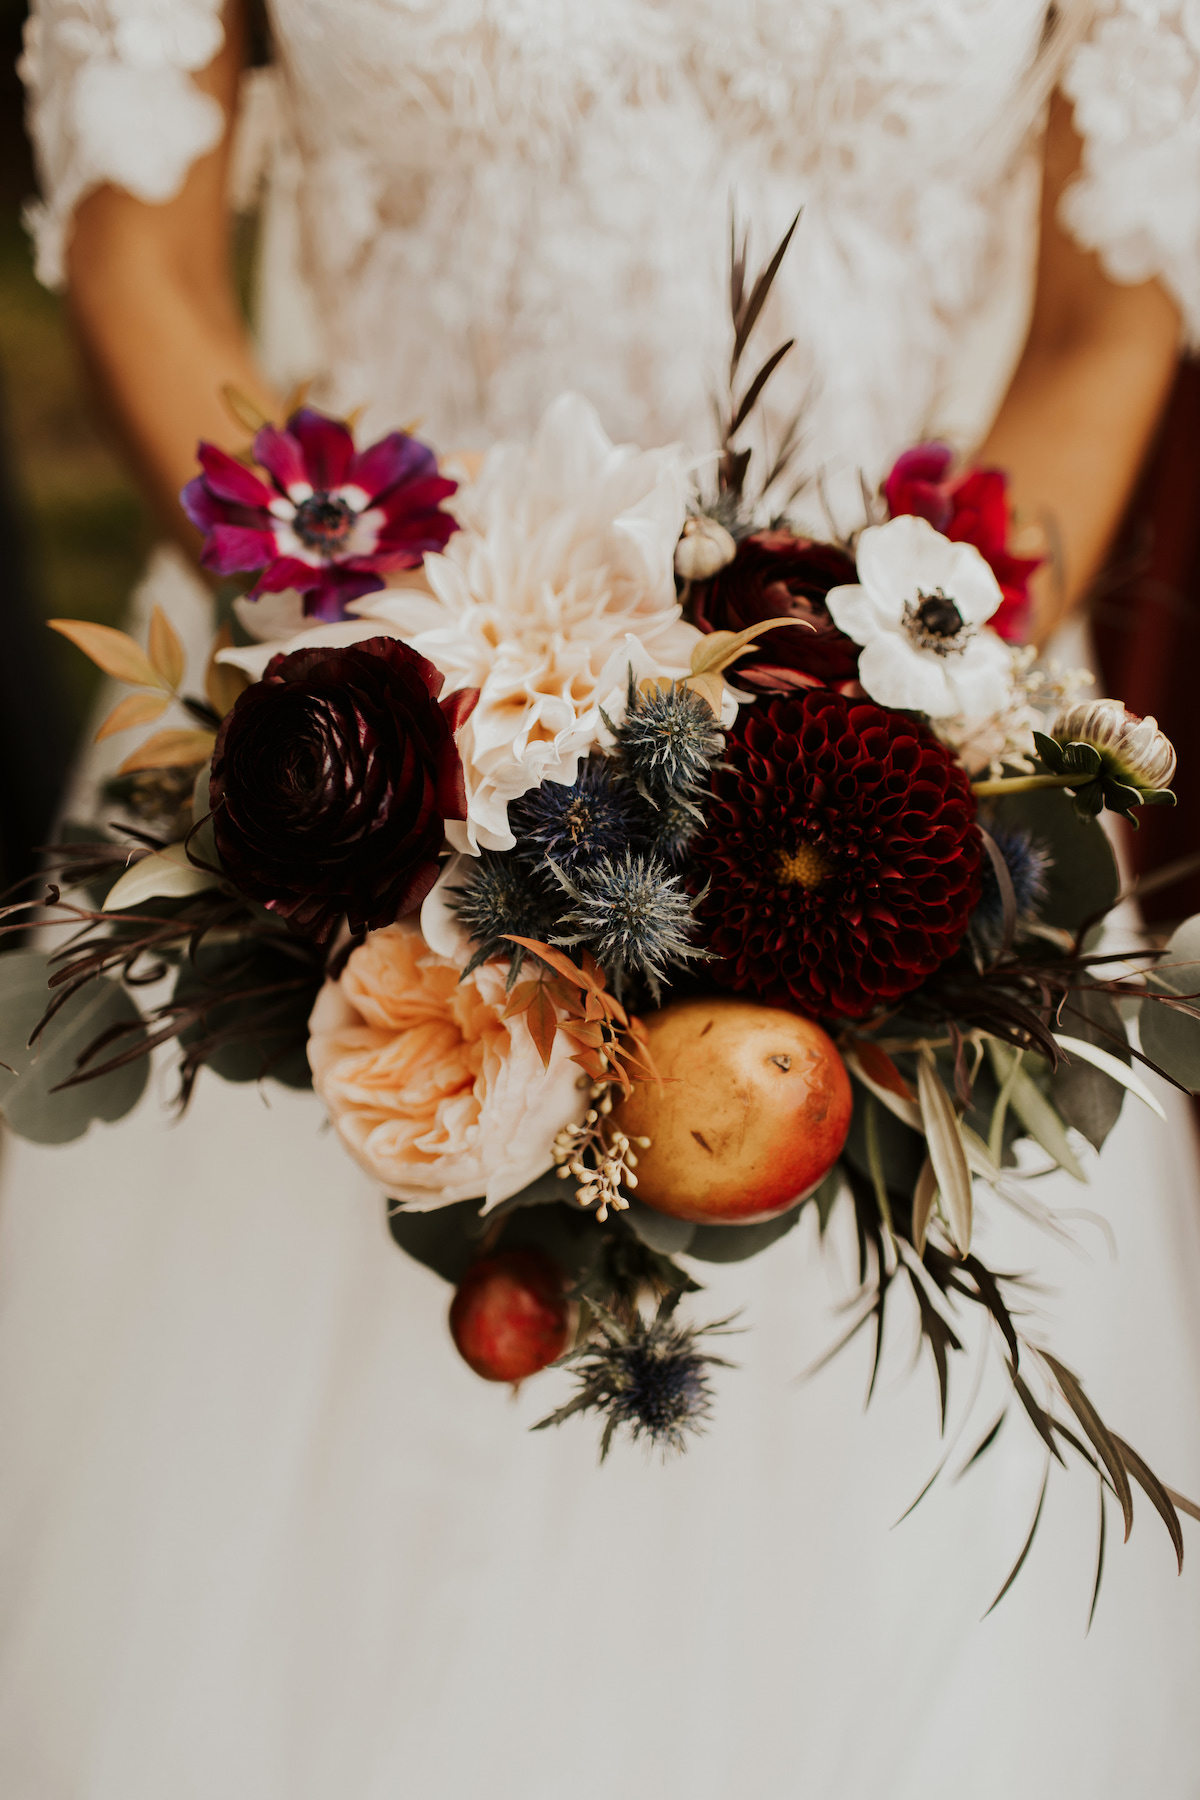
(326, 444)
(395, 459)
(282, 455)
(778, 575)
(228, 479)
(230, 548)
(840, 853)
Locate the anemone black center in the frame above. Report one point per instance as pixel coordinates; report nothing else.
(323, 522)
(935, 623)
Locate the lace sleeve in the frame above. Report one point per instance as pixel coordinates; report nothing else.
(1135, 84)
(111, 99)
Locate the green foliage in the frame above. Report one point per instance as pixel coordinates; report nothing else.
(1083, 1096)
(1082, 880)
(28, 1099)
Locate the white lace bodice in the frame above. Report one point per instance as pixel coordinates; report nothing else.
(493, 200)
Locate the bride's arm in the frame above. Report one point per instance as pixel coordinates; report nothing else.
(1087, 394)
(153, 301)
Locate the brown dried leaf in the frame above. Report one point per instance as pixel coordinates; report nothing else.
(222, 682)
(1095, 1429)
(135, 709)
(1159, 1496)
(166, 650)
(584, 1032)
(555, 959)
(593, 1063)
(521, 998)
(113, 651)
(924, 1195)
(170, 750)
(946, 1151)
(542, 1023)
(242, 409)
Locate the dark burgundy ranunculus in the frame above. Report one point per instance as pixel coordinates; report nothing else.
(332, 780)
(773, 576)
(840, 856)
(969, 508)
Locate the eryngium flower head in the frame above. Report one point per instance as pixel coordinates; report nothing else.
(329, 520)
(332, 778)
(650, 1378)
(1132, 750)
(1028, 863)
(574, 822)
(633, 915)
(503, 896)
(841, 856)
(668, 742)
(773, 576)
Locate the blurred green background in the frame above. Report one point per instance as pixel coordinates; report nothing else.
(81, 527)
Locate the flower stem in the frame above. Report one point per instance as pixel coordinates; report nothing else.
(1025, 784)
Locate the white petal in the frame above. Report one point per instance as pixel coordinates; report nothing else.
(981, 677)
(854, 612)
(897, 674)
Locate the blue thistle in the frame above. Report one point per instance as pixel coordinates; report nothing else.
(592, 817)
(649, 1376)
(668, 743)
(502, 894)
(1028, 862)
(632, 914)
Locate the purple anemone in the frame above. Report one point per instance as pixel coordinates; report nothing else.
(329, 519)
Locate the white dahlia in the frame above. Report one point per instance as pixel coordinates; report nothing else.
(560, 580)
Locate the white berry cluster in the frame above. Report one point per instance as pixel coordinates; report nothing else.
(599, 1155)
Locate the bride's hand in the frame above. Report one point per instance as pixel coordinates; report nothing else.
(153, 301)
(1086, 397)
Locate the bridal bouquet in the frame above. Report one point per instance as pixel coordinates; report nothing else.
(625, 870)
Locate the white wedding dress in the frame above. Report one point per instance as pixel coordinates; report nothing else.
(262, 1535)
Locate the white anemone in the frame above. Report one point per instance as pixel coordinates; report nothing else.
(920, 613)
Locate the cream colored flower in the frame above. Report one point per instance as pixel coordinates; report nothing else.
(431, 1090)
(560, 580)
(1133, 750)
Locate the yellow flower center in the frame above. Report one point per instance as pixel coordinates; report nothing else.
(804, 867)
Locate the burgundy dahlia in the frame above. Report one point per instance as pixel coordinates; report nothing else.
(841, 856)
(329, 520)
(332, 780)
(969, 508)
(776, 575)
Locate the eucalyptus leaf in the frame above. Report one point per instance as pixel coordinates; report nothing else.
(734, 1243)
(1084, 1096)
(30, 1107)
(659, 1230)
(1170, 1037)
(1082, 879)
(1035, 1111)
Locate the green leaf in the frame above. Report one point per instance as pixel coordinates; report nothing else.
(1035, 1111)
(734, 1243)
(1085, 1097)
(659, 1230)
(1170, 1036)
(30, 1107)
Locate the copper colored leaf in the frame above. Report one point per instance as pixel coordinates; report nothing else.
(166, 650)
(222, 682)
(882, 1070)
(542, 1023)
(170, 750)
(594, 1064)
(113, 651)
(244, 410)
(521, 998)
(554, 959)
(582, 1031)
(135, 709)
(718, 649)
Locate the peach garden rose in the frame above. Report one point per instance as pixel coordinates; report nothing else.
(432, 1091)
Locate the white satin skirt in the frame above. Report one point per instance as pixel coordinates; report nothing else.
(264, 1537)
